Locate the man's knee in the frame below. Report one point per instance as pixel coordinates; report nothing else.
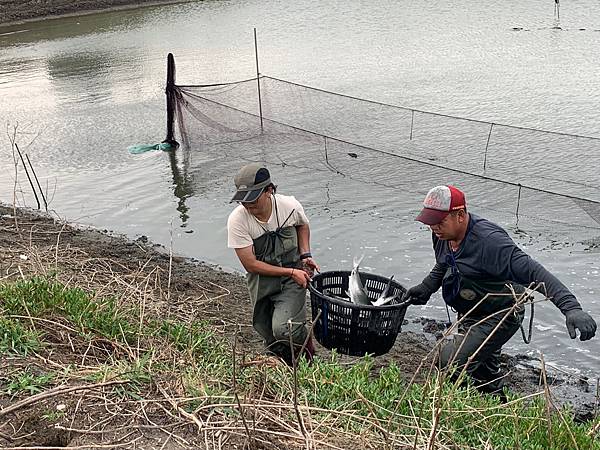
(452, 352)
(281, 332)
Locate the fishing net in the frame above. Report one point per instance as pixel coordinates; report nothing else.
(143, 148)
(344, 147)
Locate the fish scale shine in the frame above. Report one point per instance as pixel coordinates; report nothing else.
(356, 291)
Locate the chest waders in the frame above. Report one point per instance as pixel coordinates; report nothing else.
(490, 319)
(277, 300)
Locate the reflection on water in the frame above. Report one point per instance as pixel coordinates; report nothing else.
(182, 186)
(18, 70)
(78, 76)
(65, 28)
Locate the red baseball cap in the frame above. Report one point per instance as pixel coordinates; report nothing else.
(439, 202)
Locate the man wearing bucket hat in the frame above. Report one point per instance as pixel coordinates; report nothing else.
(475, 258)
(271, 237)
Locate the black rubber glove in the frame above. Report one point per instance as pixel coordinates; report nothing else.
(578, 319)
(419, 294)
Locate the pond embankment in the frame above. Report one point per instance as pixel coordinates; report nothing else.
(14, 11)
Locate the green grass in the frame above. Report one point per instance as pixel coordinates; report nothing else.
(27, 382)
(15, 338)
(192, 353)
(41, 297)
(465, 415)
(53, 415)
(195, 339)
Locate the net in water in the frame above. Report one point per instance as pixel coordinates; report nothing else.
(346, 147)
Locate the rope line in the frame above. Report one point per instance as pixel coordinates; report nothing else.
(406, 108)
(215, 84)
(384, 185)
(434, 113)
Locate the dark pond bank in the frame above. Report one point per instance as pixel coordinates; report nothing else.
(27, 10)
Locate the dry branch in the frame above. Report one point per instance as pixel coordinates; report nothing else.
(53, 392)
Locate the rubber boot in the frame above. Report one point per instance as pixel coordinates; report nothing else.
(282, 351)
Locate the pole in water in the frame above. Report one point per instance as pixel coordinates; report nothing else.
(518, 204)
(37, 181)
(171, 99)
(557, 9)
(258, 81)
(487, 144)
(28, 177)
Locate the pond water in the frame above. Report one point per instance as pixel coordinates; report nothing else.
(76, 92)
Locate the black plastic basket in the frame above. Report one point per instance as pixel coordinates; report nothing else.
(354, 329)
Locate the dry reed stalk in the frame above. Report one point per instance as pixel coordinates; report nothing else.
(550, 403)
(594, 430)
(161, 428)
(596, 427)
(436, 413)
(170, 259)
(53, 392)
(250, 437)
(141, 320)
(12, 139)
(39, 319)
(192, 417)
(121, 428)
(80, 447)
(57, 246)
(77, 406)
(299, 418)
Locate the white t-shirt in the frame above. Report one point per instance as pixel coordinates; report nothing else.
(243, 227)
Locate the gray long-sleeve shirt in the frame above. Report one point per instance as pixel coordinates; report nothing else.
(488, 253)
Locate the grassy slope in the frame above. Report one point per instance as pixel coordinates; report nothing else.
(104, 339)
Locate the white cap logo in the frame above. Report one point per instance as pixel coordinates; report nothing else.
(438, 198)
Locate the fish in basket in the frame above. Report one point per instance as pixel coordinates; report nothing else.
(356, 313)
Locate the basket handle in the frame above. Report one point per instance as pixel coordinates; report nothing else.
(405, 303)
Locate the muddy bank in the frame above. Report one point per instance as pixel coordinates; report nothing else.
(199, 290)
(12, 11)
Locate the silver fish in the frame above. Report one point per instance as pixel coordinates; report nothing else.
(384, 300)
(334, 296)
(356, 291)
(385, 296)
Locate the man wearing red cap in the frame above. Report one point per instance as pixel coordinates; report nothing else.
(475, 258)
(271, 237)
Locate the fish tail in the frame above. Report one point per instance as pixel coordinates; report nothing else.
(357, 262)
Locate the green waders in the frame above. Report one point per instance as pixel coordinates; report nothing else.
(277, 300)
(492, 319)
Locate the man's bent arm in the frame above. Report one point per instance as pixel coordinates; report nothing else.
(434, 280)
(303, 232)
(512, 263)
